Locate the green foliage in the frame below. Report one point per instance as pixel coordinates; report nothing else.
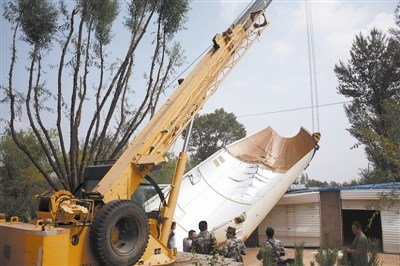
(11, 13)
(385, 153)
(77, 97)
(217, 260)
(166, 172)
(19, 178)
(387, 200)
(102, 13)
(396, 31)
(136, 12)
(371, 79)
(214, 259)
(172, 14)
(213, 131)
(374, 246)
(326, 256)
(38, 19)
(298, 253)
(352, 182)
(266, 256)
(397, 15)
(308, 182)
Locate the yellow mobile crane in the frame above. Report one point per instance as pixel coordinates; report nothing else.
(104, 226)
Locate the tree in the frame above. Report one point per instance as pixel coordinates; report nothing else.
(310, 183)
(211, 132)
(372, 79)
(352, 182)
(19, 178)
(387, 200)
(78, 107)
(165, 174)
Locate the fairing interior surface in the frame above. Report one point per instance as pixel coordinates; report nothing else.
(244, 179)
(269, 148)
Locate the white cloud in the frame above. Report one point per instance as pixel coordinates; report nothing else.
(335, 24)
(331, 17)
(382, 21)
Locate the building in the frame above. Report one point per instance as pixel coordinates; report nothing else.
(310, 214)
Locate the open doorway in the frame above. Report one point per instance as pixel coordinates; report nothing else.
(374, 231)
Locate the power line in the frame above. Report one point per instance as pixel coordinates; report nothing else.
(191, 64)
(312, 66)
(293, 109)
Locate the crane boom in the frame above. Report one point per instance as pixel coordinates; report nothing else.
(106, 227)
(149, 147)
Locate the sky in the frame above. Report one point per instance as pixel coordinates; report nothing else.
(274, 76)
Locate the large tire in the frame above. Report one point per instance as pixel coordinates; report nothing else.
(119, 233)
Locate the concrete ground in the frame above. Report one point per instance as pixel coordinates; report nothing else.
(251, 260)
(186, 259)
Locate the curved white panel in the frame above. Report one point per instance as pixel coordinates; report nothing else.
(242, 180)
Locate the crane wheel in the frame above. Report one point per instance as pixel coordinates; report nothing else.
(119, 233)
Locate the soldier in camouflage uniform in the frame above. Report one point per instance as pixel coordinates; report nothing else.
(276, 250)
(233, 247)
(204, 242)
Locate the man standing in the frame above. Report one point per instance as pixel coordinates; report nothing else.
(273, 247)
(233, 247)
(204, 242)
(359, 248)
(187, 241)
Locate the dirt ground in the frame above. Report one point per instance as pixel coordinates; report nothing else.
(251, 260)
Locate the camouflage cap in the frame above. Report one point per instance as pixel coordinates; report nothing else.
(231, 230)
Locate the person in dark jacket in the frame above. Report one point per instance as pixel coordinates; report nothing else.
(204, 242)
(359, 249)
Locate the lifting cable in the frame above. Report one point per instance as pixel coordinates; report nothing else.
(312, 68)
(312, 73)
(201, 55)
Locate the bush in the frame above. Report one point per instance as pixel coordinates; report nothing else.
(374, 246)
(326, 256)
(298, 253)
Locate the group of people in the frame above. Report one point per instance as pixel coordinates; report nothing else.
(205, 243)
(358, 251)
